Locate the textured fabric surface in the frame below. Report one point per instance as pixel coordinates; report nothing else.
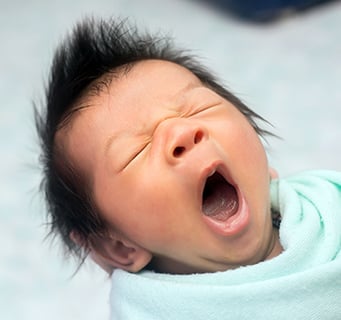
(288, 71)
(304, 282)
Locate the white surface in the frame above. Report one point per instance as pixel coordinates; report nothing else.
(289, 72)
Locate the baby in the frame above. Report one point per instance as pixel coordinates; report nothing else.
(152, 167)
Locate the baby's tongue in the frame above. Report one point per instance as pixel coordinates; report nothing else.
(221, 202)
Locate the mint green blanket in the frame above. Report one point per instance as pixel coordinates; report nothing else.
(304, 282)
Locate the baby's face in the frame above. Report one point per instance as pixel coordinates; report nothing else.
(176, 169)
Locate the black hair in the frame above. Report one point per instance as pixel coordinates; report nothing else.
(95, 48)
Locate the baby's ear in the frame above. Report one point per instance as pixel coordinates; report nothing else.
(117, 252)
(77, 238)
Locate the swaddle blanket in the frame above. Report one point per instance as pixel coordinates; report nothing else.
(304, 282)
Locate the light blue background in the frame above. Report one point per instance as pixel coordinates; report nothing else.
(289, 72)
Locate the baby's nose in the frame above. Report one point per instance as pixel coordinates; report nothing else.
(185, 141)
(181, 136)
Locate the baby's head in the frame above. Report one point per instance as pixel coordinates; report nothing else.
(148, 161)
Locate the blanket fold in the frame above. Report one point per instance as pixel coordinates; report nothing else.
(304, 282)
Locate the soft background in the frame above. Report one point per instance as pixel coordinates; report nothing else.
(288, 71)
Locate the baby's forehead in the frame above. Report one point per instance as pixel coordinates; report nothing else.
(152, 77)
(147, 83)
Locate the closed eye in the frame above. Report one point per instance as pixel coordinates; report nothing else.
(202, 110)
(135, 155)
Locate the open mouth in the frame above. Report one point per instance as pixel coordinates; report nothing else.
(219, 199)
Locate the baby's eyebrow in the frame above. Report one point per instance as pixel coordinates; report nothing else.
(116, 138)
(109, 142)
(189, 86)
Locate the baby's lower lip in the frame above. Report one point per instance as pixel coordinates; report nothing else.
(235, 224)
